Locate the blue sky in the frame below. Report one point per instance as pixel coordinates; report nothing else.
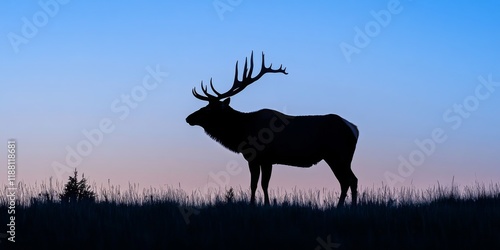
(411, 72)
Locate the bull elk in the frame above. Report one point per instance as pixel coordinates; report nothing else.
(268, 137)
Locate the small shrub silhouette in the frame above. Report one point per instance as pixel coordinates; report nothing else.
(77, 190)
(230, 195)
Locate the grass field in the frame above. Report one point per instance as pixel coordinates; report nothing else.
(406, 218)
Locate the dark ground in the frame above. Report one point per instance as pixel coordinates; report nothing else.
(444, 223)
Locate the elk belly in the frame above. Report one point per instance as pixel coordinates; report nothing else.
(293, 154)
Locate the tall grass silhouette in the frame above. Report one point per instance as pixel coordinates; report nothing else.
(148, 218)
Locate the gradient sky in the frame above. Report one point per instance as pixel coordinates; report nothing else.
(413, 75)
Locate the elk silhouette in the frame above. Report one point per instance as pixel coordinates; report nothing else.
(268, 137)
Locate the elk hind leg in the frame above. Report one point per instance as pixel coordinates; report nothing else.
(339, 170)
(344, 186)
(353, 183)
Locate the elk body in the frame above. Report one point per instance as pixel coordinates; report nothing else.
(268, 137)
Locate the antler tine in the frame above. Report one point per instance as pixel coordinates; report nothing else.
(265, 70)
(213, 89)
(245, 70)
(251, 65)
(284, 70)
(238, 85)
(204, 89)
(263, 63)
(203, 98)
(236, 73)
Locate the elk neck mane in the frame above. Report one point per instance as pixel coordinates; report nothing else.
(231, 130)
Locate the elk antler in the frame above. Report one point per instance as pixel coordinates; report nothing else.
(238, 85)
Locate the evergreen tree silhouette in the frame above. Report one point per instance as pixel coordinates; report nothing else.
(77, 190)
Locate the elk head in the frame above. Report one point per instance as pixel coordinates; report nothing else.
(218, 109)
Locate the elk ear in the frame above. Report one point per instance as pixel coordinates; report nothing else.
(227, 101)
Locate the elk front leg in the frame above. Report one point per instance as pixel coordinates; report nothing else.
(254, 179)
(266, 176)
